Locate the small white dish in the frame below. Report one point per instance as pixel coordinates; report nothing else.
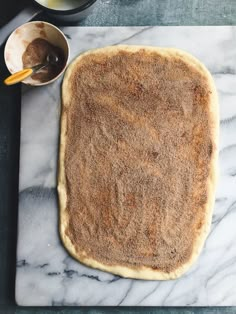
(23, 36)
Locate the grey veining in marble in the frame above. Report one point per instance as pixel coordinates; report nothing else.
(46, 274)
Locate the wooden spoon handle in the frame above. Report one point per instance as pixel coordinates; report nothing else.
(18, 76)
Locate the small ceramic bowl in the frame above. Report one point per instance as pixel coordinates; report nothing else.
(25, 34)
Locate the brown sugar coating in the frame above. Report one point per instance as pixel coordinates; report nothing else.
(138, 148)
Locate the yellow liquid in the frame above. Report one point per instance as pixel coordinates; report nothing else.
(59, 4)
(53, 3)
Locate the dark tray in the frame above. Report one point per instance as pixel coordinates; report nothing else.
(106, 12)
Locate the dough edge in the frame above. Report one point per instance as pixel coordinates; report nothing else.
(143, 272)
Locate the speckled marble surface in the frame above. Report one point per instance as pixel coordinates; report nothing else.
(46, 274)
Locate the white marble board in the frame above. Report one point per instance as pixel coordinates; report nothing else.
(46, 274)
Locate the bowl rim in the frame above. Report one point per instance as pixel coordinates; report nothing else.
(67, 59)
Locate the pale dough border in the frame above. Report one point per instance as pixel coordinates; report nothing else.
(144, 272)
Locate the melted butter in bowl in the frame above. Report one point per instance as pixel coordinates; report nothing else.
(60, 4)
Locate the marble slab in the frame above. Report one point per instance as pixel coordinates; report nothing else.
(46, 274)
